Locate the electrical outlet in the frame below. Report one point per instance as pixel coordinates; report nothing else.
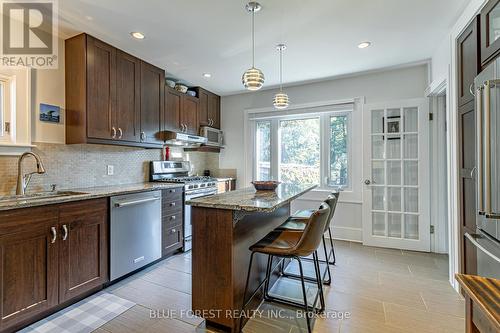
(110, 170)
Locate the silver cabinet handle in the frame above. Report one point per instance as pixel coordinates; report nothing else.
(172, 217)
(113, 132)
(185, 128)
(472, 172)
(471, 89)
(143, 136)
(174, 230)
(479, 124)
(65, 232)
(473, 240)
(172, 191)
(53, 232)
(120, 135)
(135, 202)
(172, 204)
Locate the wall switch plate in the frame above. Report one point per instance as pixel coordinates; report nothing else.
(110, 169)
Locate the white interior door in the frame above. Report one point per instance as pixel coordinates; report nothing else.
(396, 178)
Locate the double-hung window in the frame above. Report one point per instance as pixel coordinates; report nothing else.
(308, 147)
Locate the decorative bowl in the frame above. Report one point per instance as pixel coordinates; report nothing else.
(191, 93)
(170, 83)
(266, 185)
(182, 88)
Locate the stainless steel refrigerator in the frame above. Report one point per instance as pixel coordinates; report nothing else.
(487, 236)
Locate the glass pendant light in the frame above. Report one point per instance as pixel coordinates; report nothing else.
(253, 78)
(280, 100)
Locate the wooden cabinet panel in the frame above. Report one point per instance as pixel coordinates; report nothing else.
(101, 88)
(204, 97)
(468, 62)
(126, 114)
(172, 239)
(172, 110)
(152, 103)
(490, 43)
(189, 114)
(214, 111)
(28, 269)
(83, 257)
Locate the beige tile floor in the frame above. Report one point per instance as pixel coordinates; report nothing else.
(381, 290)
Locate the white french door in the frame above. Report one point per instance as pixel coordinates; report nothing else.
(396, 177)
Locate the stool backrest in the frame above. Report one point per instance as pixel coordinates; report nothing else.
(314, 230)
(331, 201)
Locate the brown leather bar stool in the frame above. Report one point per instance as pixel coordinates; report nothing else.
(295, 245)
(298, 224)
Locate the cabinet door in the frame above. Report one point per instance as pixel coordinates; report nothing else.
(468, 62)
(126, 114)
(28, 266)
(214, 110)
(490, 31)
(152, 102)
(172, 109)
(189, 114)
(83, 243)
(101, 88)
(204, 98)
(171, 239)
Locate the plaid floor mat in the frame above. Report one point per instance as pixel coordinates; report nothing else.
(84, 316)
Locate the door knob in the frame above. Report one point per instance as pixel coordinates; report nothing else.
(368, 182)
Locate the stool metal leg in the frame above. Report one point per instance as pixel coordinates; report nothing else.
(319, 281)
(268, 276)
(333, 249)
(246, 290)
(306, 306)
(329, 280)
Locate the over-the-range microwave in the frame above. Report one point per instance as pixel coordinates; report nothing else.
(214, 136)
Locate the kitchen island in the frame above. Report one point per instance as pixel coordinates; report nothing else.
(224, 227)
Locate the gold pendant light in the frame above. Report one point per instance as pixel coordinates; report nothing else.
(253, 78)
(280, 100)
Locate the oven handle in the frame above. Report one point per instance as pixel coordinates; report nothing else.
(473, 240)
(197, 195)
(135, 202)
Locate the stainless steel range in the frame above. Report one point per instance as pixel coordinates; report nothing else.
(194, 187)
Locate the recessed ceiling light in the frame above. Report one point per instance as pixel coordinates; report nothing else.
(137, 35)
(364, 45)
(207, 75)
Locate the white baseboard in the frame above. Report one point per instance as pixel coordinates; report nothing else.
(347, 234)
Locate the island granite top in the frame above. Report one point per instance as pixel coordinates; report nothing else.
(248, 199)
(83, 194)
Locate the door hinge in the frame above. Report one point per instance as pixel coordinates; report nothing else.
(431, 116)
(7, 127)
(432, 229)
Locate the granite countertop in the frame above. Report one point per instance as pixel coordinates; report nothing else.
(248, 199)
(84, 194)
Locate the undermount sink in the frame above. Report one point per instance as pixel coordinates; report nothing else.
(39, 196)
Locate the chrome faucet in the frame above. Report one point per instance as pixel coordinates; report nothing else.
(24, 180)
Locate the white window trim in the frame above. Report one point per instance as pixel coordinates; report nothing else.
(352, 195)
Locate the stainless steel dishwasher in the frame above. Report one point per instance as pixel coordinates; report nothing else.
(135, 232)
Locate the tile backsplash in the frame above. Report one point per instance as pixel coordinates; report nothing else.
(80, 166)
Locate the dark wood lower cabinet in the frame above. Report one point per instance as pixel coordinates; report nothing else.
(172, 227)
(83, 251)
(49, 256)
(28, 267)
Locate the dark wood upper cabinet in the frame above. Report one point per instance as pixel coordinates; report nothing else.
(127, 113)
(101, 88)
(111, 96)
(189, 114)
(490, 31)
(83, 254)
(209, 114)
(172, 109)
(467, 62)
(152, 103)
(28, 269)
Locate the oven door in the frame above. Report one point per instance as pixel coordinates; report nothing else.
(188, 237)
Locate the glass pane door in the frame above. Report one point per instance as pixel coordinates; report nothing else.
(263, 150)
(394, 173)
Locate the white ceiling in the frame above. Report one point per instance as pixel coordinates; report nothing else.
(189, 38)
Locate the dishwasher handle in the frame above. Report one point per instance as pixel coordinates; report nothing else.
(135, 202)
